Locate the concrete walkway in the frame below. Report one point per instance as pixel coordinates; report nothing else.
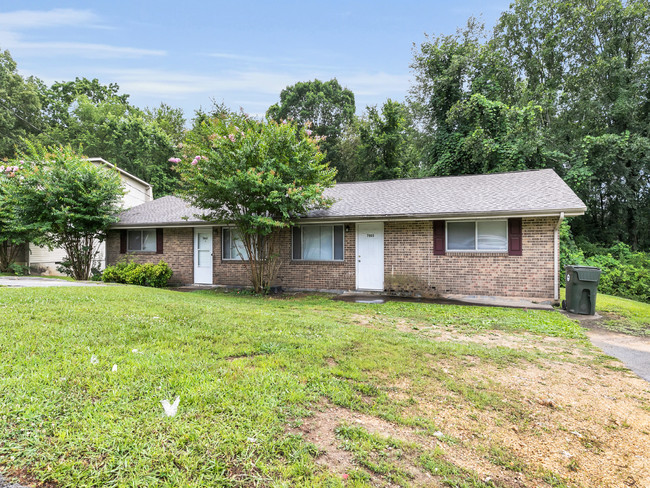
(480, 300)
(39, 281)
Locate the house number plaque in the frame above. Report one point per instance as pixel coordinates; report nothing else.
(370, 235)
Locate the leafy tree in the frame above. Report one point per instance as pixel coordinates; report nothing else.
(259, 177)
(60, 99)
(19, 106)
(15, 230)
(587, 63)
(489, 136)
(326, 105)
(558, 84)
(381, 143)
(72, 200)
(170, 120)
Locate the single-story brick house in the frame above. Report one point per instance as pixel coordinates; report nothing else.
(494, 234)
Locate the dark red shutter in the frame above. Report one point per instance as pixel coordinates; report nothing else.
(122, 242)
(439, 237)
(159, 241)
(514, 237)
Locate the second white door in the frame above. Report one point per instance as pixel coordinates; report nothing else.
(370, 256)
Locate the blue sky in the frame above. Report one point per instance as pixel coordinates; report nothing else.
(241, 53)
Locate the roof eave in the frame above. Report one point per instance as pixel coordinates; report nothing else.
(568, 212)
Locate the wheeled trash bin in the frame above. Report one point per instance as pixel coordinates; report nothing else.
(581, 289)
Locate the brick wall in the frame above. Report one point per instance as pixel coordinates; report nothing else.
(409, 251)
(178, 252)
(314, 275)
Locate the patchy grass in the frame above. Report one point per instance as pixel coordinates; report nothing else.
(433, 393)
(621, 314)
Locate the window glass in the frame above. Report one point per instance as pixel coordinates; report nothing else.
(338, 242)
(233, 247)
(141, 240)
(492, 236)
(134, 240)
(461, 236)
(148, 240)
(321, 243)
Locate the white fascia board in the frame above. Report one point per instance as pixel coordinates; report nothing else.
(125, 173)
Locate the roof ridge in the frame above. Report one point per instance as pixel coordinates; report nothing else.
(447, 176)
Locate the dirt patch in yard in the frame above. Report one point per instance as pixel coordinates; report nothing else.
(587, 425)
(320, 429)
(488, 338)
(574, 416)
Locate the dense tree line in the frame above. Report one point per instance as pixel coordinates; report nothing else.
(556, 84)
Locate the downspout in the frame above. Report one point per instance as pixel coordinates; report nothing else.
(556, 258)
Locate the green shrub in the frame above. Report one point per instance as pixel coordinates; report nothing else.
(19, 269)
(625, 273)
(148, 274)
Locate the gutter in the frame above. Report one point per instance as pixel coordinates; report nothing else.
(556, 258)
(365, 218)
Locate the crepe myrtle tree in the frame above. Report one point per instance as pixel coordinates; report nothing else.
(259, 177)
(72, 200)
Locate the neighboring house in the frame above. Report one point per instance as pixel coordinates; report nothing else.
(494, 234)
(43, 261)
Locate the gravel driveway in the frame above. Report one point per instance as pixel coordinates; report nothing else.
(29, 281)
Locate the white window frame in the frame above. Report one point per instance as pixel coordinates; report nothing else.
(476, 249)
(239, 257)
(141, 231)
(302, 244)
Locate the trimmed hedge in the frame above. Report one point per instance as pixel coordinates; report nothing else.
(148, 274)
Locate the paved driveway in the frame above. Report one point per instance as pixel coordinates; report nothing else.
(633, 351)
(29, 281)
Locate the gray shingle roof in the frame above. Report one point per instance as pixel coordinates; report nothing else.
(520, 193)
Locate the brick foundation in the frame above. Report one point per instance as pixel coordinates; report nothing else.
(408, 251)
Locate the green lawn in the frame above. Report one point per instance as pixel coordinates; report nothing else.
(249, 371)
(622, 315)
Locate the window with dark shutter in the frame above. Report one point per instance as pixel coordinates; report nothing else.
(123, 242)
(159, 241)
(439, 237)
(297, 242)
(515, 236)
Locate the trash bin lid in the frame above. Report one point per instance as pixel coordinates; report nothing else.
(587, 273)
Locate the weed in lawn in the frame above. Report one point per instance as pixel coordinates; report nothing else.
(451, 474)
(501, 456)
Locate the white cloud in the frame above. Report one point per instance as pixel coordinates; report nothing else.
(21, 19)
(374, 84)
(82, 49)
(12, 25)
(177, 83)
(254, 89)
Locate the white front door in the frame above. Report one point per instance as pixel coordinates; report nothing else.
(203, 256)
(370, 256)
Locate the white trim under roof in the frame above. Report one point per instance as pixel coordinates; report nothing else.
(125, 173)
(354, 220)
